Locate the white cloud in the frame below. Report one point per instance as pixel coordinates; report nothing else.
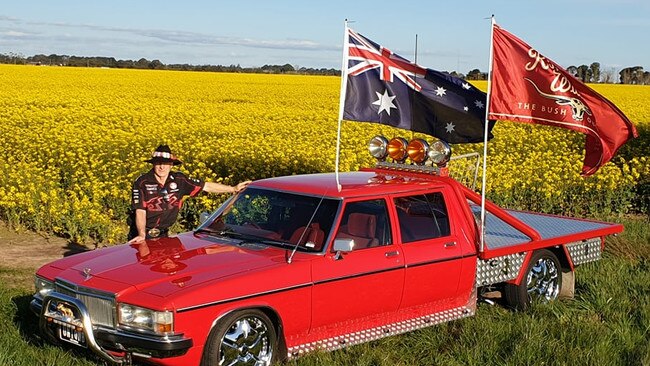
(190, 38)
(14, 34)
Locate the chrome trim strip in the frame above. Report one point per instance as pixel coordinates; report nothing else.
(84, 290)
(440, 260)
(271, 292)
(166, 339)
(218, 302)
(367, 335)
(359, 275)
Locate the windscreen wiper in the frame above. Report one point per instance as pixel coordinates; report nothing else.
(244, 238)
(206, 231)
(254, 239)
(228, 232)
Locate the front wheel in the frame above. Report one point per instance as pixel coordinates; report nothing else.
(245, 337)
(542, 281)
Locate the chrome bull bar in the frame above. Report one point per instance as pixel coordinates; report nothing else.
(60, 308)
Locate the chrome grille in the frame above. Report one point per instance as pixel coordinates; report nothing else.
(100, 305)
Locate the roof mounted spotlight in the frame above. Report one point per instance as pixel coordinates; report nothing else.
(440, 153)
(378, 147)
(397, 149)
(417, 150)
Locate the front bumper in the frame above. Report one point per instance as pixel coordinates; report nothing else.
(58, 310)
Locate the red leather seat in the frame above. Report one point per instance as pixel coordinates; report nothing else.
(313, 238)
(360, 227)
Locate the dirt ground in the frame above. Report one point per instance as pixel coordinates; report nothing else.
(22, 252)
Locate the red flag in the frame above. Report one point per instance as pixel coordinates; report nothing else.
(528, 87)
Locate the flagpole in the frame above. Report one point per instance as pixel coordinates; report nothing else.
(344, 85)
(415, 56)
(415, 76)
(485, 136)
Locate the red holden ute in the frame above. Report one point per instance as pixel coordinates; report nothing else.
(320, 261)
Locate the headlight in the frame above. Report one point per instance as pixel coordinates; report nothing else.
(159, 322)
(42, 286)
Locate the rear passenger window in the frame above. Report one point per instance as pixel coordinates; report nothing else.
(366, 222)
(422, 217)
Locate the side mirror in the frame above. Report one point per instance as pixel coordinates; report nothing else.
(342, 246)
(203, 217)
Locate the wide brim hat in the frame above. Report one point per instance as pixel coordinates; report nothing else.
(163, 154)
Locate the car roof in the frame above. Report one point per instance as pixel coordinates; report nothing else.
(366, 182)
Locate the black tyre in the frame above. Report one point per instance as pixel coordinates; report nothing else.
(541, 283)
(246, 337)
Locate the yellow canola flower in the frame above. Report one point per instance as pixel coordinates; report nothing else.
(75, 139)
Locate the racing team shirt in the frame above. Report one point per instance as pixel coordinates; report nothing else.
(163, 202)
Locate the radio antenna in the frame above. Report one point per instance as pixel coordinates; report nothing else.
(290, 258)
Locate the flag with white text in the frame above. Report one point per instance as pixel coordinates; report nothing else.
(528, 87)
(386, 88)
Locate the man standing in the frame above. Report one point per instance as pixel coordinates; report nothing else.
(157, 195)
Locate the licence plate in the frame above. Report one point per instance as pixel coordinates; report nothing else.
(69, 333)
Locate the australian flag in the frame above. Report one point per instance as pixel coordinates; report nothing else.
(386, 88)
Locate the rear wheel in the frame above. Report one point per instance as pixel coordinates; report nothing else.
(245, 337)
(541, 283)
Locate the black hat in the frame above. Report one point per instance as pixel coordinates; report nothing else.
(163, 154)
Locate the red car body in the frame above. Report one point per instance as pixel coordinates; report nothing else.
(315, 297)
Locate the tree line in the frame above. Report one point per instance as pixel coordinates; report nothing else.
(593, 74)
(111, 62)
(588, 74)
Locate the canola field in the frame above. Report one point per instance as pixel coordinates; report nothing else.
(74, 139)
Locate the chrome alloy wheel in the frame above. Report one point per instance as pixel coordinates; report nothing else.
(246, 342)
(543, 282)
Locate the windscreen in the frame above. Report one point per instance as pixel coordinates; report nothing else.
(277, 217)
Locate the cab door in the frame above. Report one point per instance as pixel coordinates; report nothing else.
(432, 253)
(366, 282)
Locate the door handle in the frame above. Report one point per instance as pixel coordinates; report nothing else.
(392, 254)
(450, 244)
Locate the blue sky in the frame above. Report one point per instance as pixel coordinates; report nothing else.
(452, 35)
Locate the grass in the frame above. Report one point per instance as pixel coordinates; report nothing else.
(608, 323)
